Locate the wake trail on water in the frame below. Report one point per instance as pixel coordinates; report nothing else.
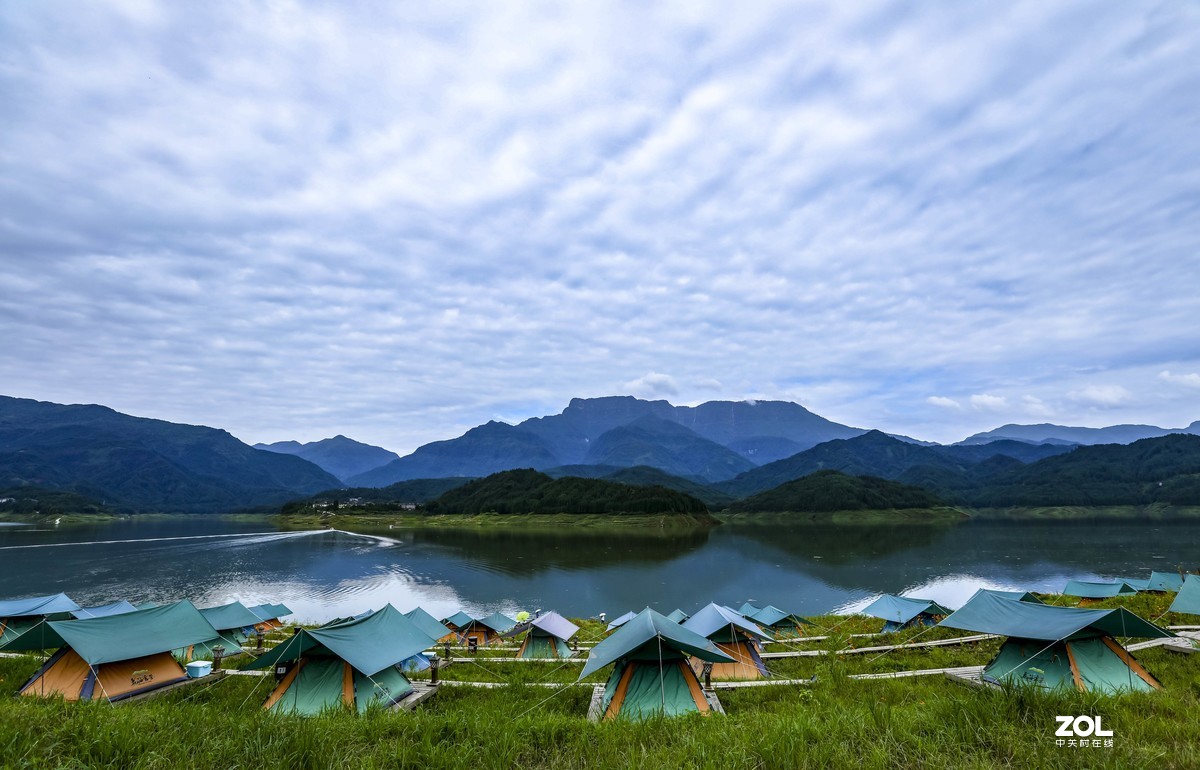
(271, 535)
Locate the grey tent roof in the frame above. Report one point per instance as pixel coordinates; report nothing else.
(104, 610)
(899, 609)
(497, 622)
(617, 623)
(125, 636)
(990, 614)
(714, 617)
(427, 623)
(459, 619)
(1086, 589)
(35, 606)
(1017, 596)
(555, 625)
(677, 615)
(1165, 581)
(648, 626)
(230, 616)
(371, 644)
(1188, 599)
(770, 615)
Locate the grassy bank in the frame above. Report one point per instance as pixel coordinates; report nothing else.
(833, 722)
(1155, 512)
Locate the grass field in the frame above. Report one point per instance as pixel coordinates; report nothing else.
(833, 722)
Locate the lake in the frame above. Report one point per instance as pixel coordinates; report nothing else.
(810, 569)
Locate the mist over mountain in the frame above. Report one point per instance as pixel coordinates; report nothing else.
(341, 456)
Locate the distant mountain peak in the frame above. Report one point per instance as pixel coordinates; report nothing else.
(343, 457)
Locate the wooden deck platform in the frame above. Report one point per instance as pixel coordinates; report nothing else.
(422, 691)
(882, 648)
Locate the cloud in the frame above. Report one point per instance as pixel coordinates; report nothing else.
(944, 402)
(989, 402)
(652, 385)
(862, 203)
(1102, 395)
(1036, 407)
(1191, 380)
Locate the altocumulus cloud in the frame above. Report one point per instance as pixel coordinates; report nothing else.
(293, 219)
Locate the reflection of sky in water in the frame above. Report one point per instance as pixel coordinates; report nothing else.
(808, 569)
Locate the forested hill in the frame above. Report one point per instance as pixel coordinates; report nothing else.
(827, 491)
(528, 491)
(138, 464)
(1154, 470)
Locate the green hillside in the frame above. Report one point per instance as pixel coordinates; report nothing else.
(643, 475)
(829, 491)
(527, 491)
(393, 497)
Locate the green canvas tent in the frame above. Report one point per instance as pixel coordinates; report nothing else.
(733, 635)
(117, 656)
(1018, 596)
(1086, 589)
(780, 624)
(428, 623)
(19, 615)
(677, 615)
(269, 615)
(900, 612)
(353, 665)
(104, 610)
(651, 675)
(1059, 647)
(457, 621)
(547, 637)
(485, 631)
(1167, 582)
(233, 620)
(1187, 601)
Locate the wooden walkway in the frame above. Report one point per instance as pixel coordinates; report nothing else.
(882, 648)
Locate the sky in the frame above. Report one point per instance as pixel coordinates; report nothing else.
(396, 221)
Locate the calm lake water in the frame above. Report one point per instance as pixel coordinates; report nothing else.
(809, 569)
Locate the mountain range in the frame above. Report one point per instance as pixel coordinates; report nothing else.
(710, 442)
(1047, 433)
(718, 452)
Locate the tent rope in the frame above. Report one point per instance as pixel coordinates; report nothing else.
(910, 640)
(1031, 657)
(545, 700)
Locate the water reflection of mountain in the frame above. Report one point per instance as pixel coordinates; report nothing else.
(528, 552)
(890, 558)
